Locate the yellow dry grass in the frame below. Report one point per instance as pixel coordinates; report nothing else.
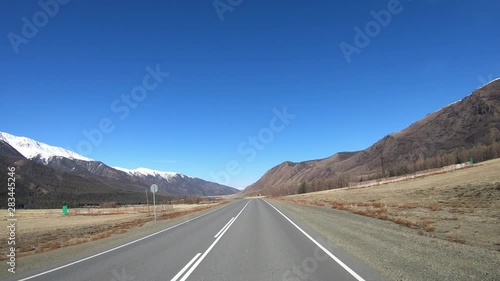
(48, 229)
(461, 206)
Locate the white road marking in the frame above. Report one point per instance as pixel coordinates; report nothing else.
(348, 269)
(211, 246)
(185, 268)
(216, 235)
(116, 248)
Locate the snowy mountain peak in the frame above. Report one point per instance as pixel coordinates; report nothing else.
(33, 149)
(149, 172)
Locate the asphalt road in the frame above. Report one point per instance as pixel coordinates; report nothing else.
(246, 240)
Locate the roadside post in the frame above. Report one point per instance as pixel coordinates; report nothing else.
(154, 189)
(147, 202)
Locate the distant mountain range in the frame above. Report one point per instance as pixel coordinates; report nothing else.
(54, 174)
(464, 129)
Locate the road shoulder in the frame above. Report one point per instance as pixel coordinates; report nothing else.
(394, 251)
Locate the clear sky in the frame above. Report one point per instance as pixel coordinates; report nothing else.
(78, 67)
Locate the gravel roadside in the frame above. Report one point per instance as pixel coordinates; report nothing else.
(61, 256)
(395, 251)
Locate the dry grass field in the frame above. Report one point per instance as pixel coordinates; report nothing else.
(39, 231)
(461, 206)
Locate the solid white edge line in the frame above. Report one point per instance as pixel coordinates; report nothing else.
(223, 227)
(348, 269)
(211, 246)
(116, 248)
(185, 267)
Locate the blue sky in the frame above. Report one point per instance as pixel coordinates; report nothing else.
(227, 78)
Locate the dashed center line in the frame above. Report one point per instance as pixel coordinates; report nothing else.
(220, 231)
(197, 260)
(185, 268)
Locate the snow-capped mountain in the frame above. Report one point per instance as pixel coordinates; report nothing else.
(151, 173)
(66, 161)
(32, 149)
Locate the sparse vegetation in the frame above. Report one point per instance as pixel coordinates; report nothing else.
(302, 188)
(42, 187)
(39, 235)
(460, 206)
(108, 204)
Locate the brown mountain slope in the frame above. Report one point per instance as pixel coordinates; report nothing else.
(467, 128)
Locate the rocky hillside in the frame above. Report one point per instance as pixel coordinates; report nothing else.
(467, 128)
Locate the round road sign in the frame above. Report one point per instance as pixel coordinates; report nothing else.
(154, 188)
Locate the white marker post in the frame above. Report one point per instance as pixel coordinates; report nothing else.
(154, 189)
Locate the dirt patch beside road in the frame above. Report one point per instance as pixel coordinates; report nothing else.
(461, 206)
(39, 231)
(395, 251)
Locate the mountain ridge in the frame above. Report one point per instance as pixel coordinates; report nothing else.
(30, 148)
(95, 176)
(470, 126)
(42, 152)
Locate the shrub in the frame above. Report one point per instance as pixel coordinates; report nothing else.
(110, 204)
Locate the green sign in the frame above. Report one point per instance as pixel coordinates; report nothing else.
(65, 210)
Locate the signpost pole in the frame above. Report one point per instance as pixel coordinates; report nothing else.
(154, 204)
(154, 189)
(147, 202)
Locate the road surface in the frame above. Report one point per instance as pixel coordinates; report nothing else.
(245, 240)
